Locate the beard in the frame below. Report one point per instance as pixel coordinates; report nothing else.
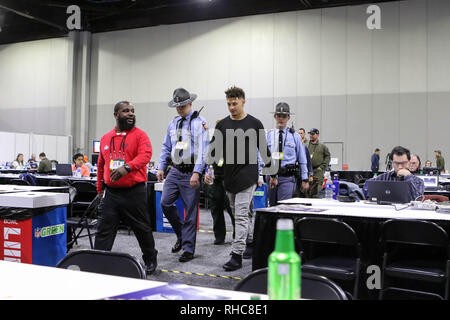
(124, 125)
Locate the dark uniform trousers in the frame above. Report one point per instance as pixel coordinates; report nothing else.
(218, 203)
(130, 206)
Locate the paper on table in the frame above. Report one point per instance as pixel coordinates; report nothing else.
(170, 291)
(298, 208)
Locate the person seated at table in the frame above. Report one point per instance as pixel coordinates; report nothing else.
(32, 162)
(78, 162)
(400, 158)
(18, 164)
(415, 164)
(44, 165)
(87, 163)
(428, 164)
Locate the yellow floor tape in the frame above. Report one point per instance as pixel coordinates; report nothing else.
(201, 274)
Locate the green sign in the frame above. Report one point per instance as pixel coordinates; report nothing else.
(259, 193)
(52, 230)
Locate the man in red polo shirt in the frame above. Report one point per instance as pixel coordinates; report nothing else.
(125, 152)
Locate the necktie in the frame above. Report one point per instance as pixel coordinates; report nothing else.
(179, 132)
(280, 146)
(180, 128)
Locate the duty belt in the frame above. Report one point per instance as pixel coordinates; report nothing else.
(184, 168)
(288, 171)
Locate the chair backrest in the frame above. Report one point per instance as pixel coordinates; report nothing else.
(86, 191)
(105, 262)
(320, 288)
(58, 183)
(392, 293)
(326, 231)
(312, 286)
(416, 232)
(19, 182)
(84, 186)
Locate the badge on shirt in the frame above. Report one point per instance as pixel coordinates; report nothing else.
(220, 163)
(114, 164)
(181, 145)
(278, 155)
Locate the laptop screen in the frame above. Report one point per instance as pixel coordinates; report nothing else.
(429, 181)
(389, 191)
(64, 169)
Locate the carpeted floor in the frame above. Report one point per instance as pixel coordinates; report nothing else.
(204, 270)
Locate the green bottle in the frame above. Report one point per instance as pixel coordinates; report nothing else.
(284, 265)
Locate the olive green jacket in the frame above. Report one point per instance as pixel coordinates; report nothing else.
(440, 163)
(320, 158)
(45, 165)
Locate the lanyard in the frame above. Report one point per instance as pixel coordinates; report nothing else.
(121, 147)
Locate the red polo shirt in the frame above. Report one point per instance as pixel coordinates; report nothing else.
(131, 145)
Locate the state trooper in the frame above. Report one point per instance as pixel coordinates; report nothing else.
(287, 149)
(185, 148)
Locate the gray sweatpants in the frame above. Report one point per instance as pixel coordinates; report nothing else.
(241, 205)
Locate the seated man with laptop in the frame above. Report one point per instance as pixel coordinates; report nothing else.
(398, 185)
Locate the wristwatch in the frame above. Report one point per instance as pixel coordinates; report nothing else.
(127, 167)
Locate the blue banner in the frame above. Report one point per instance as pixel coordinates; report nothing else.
(50, 237)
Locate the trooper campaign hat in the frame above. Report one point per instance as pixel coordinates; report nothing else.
(282, 108)
(181, 97)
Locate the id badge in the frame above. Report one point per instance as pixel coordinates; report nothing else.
(278, 155)
(114, 164)
(181, 145)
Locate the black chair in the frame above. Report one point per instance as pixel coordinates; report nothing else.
(88, 221)
(416, 257)
(86, 192)
(58, 183)
(313, 286)
(392, 293)
(19, 182)
(330, 248)
(105, 262)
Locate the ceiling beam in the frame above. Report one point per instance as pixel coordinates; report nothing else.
(29, 11)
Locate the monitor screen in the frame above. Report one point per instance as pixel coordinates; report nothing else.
(430, 181)
(96, 146)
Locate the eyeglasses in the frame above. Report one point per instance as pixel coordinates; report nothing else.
(403, 163)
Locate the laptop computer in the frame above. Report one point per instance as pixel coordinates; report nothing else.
(387, 192)
(431, 183)
(63, 169)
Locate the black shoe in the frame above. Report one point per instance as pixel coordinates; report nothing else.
(186, 256)
(219, 241)
(248, 253)
(150, 267)
(177, 246)
(234, 263)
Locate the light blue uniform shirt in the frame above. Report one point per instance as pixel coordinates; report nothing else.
(292, 148)
(194, 133)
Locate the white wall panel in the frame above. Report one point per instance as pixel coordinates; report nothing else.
(333, 55)
(413, 46)
(7, 149)
(22, 145)
(438, 45)
(386, 55)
